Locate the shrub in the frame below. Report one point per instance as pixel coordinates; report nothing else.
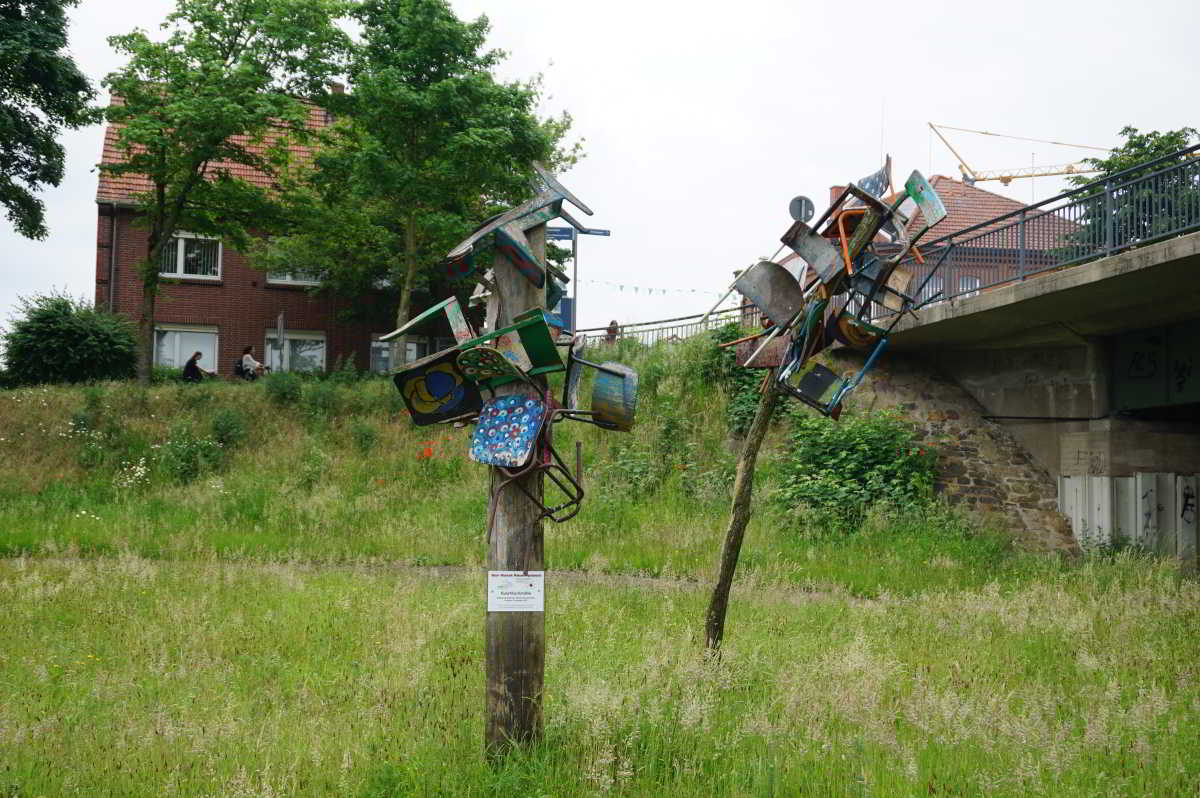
(162, 375)
(283, 388)
(60, 339)
(186, 456)
(720, 367)
(364, 435)
(840, 469)
(321, 401)
(229, 427)
(344, 372)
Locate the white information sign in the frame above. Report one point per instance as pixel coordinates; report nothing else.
(516, 591)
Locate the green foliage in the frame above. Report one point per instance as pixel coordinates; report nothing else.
(186, 456)
(837, 470)
(283, 388)
(429, 143)
(321, 401)
(229, 428)
(364, 436)
(59, 339)
(161, 375)
(720, 367)
(42, 92)
(226, 84)
(1140, 212)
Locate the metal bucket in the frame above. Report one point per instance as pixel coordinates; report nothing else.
(614, 397)
(773, 289)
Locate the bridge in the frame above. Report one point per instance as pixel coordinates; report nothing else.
(1057, 363)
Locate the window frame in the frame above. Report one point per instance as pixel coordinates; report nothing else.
(286, 278)
(286, 354)
(188, 328)
(177, 241)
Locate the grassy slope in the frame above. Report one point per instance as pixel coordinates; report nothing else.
(257, 631)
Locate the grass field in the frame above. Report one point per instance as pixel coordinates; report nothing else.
(210, 593)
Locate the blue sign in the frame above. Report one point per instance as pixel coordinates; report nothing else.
(595, 231)
(560, 233)
(566, 309)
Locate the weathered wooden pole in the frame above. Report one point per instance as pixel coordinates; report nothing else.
(739, 515)
(516, 641)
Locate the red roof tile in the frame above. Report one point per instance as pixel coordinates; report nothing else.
(122, 189)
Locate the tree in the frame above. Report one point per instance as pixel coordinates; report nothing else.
(1125, 212)
(429, 142)
(225, 88)
(41, 92)
(59, 339)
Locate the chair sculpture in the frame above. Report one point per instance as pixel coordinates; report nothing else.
(513, 432)
(854, 250)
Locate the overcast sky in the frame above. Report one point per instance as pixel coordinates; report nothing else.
(700, 125)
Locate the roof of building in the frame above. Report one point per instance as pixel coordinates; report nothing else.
(122, 189)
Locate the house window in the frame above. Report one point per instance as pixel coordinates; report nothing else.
(191, 256)
(934, 289)
(302, 351)
(292, 278)
(968, 285)
(381, 353)
(173, 345)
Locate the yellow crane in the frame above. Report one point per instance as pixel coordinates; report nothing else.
(1006, 176)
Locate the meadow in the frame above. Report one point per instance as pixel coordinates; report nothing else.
(244, 590)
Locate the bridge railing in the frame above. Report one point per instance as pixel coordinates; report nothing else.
(651, 332)
(1148, 202)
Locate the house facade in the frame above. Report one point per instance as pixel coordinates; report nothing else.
(211, 300)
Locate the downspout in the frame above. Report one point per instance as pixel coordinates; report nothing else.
(112, 261)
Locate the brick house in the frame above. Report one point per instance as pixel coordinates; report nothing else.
(212, 301)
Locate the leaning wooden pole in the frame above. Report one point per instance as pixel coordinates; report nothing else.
(739, 515)
(516, 641)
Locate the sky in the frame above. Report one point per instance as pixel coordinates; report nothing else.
(700, 125)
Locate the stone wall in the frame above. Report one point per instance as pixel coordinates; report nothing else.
(981, 466)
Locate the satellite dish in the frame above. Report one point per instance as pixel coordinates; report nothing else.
(801, 208)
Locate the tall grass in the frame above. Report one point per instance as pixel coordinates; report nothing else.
(127, 676)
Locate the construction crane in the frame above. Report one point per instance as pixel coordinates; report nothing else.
(972, 176)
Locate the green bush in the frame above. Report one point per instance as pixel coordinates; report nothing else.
(229, 427)
(720, 367)
(321, 401)
(839, 469)
(186, 456)
(284, 388)
(364, 435)
(162, 375)
(56, 338)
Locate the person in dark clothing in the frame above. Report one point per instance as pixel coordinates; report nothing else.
(192, 371)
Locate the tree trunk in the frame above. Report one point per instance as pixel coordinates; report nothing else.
(400, 345)
(150, 278)
(739, 516)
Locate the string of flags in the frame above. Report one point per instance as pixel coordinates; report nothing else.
(648, 290)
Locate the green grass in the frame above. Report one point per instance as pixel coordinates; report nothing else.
(143, 677)
(183, 618)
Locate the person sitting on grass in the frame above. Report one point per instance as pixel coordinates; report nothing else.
(192, 371)
(251, 368)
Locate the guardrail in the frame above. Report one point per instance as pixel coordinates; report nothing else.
(651, 332)
(1145, 203)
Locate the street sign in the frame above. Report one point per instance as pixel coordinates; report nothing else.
(560, 233)
(801, 208)
(595, 231)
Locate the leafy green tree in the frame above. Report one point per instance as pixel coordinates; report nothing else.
(1142, 211)
(223, 89)
(41, 92)
(430, 142)
(55, 338)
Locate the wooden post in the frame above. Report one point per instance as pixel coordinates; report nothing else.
(516, 641)
(739, 515)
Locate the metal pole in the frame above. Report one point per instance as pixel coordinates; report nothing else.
(574, 280)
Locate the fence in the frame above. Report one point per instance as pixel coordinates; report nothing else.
(1145, 203)
(1148, 202)
(651, 332)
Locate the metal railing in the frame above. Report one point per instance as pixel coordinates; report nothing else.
(651, 332)
(1145, 203)
(1149, 202)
